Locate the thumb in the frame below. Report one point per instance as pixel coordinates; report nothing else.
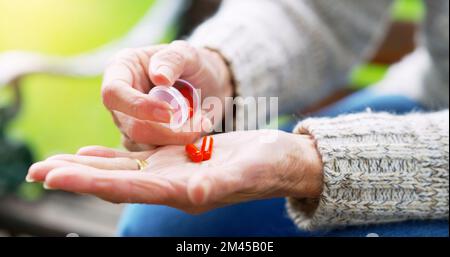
(177, 59)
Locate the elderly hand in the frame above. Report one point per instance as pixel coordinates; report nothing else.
(133, 72)
(243, 167)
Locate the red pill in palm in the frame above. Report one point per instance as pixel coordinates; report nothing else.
(194, 154)
(207, 147)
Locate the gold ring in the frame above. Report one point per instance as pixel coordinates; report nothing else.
(141, 164)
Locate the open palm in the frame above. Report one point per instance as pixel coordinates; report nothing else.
(243, 167)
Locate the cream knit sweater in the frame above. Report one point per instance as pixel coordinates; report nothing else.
(378, 167)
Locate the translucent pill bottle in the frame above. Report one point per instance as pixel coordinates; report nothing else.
(182, 97)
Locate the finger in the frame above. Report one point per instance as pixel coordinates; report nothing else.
(127, 142)
(38, 171)
(118, 187)
(132, 146)
(131, 66)
(118, 95)
(112, 161)
(168, 64)
(117, 163)
(151, 133)
(101, 151)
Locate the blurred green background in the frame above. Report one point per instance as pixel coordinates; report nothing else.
(61, 114)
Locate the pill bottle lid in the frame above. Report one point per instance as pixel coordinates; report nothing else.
(182, 97)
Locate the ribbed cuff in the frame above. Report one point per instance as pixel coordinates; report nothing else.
(377, 168)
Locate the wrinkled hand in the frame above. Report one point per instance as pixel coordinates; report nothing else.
(133, 72)
(243, 167)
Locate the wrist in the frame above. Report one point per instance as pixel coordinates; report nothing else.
(223, 72)
(303, 166)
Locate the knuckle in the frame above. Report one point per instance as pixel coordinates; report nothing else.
(172, 57)
(129, 144)
(108, 95)
(136, 132)
(139, 105)
(188, 49)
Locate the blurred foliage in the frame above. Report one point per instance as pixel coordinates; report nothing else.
(30, 191)
(66, 27)
(15, 158)
(408, 10)
(61, 114)
(402, 11)
(366, 75)
(6, 97)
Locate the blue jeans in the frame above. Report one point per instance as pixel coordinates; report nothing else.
(268, 217)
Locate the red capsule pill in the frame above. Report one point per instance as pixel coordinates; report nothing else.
(193, 153)
(207, 147)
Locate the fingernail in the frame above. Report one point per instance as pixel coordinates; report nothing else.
(29, 179)
(166, 72)
(162, 115)
(47, 187)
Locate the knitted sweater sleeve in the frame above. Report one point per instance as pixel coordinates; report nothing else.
(378, 168)
(295, 50)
